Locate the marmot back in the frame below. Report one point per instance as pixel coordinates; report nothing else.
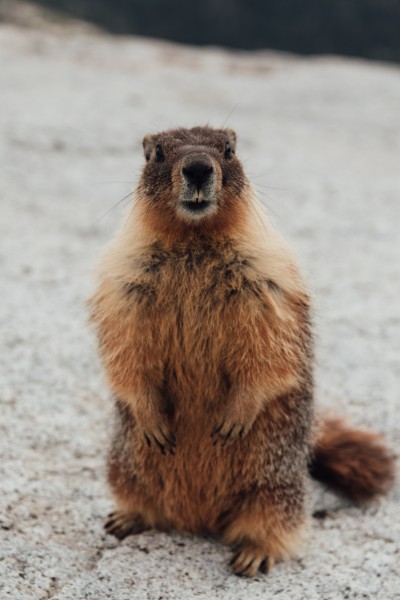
(203, 322)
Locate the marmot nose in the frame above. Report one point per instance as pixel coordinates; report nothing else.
(197, 172)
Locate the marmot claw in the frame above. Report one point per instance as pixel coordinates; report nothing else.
(228, 431)
(161, 438)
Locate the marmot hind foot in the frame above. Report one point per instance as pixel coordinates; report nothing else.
(122, 524)
(249, 559)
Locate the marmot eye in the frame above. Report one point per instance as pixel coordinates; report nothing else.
(159, 152)
(228, 150)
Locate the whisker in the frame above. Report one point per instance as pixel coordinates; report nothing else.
(229, 115)
(255, 212)
(101, 182)
(270, 198)
(113, 207)
(268, 207)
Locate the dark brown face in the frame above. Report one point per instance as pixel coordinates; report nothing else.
(192, 175)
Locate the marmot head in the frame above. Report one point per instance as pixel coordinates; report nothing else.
(192, 180)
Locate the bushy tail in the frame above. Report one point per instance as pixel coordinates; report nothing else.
(353, 462)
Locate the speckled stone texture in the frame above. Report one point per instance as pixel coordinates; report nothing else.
(320, 139)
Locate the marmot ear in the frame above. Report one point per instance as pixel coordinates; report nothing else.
(148, 145)
(231, 138)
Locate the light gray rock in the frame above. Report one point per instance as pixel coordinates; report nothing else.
(320, 138)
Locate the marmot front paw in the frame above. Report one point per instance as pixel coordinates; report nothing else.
(160, 436)
(157, 433)
(230, 429)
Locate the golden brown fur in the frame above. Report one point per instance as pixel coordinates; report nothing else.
(354, 462)
(203, 329)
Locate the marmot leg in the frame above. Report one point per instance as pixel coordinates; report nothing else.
(265, 527)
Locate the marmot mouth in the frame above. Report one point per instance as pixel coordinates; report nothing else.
(196, 207)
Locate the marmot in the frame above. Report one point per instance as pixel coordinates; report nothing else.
(203, 324)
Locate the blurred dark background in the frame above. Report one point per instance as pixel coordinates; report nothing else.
(368, 28)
